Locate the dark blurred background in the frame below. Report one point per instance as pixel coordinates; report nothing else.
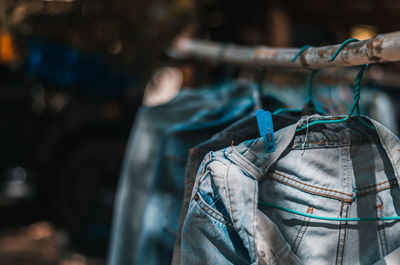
(72, 75)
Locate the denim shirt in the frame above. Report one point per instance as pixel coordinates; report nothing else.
(333, 170)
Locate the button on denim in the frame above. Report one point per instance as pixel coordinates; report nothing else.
(333, 170)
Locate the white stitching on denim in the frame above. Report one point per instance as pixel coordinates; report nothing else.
(245, 164)
(339, 234)
(207, 208)
(301, 232)
(381, 229)
(327, 191)
(227, 191)
(255, 206)
(252, 146)
(345, 233)
(204, 165)
(253, 248)
(298, 146)
(237, 157)
(277, 254)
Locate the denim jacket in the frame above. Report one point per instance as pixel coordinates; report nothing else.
(240, 131)
(333, 170)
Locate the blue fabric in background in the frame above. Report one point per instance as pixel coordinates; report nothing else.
(63, 66)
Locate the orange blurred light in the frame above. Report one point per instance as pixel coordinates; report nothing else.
(7, 50)
(363, 32)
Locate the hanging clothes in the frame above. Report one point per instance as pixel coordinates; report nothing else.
(336, 100)
(161, 217)
(235, 134)
(151, 188)
(139, 167)
(333, 170)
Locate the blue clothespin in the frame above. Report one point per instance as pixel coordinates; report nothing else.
(266, 129)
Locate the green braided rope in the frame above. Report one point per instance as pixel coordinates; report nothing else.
(302, 49)
(310, 78)
(355, 106)
(356, 89)
(309, 83)
(341, 48)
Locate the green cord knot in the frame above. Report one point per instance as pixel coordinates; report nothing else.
(357, 85)
(310, 76)
(356, 91)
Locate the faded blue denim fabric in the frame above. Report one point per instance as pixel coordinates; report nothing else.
(235, 134)
(161, 218)
(143, 155)
(333, 170)
(392, 258)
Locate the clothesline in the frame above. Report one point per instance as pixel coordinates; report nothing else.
(380, 49)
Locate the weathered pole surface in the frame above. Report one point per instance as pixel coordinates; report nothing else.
(380, 49)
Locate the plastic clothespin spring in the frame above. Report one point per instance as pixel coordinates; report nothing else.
(266, 129)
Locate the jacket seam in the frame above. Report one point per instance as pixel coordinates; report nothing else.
(300, 234)
(329, 190)
(312, 192)
(203, 175)
(327, 144)
(316, 193)
(312, 186)
(252, 242)
(211, 212)
(345, 234)
(381, 230)
(232, 223)
(276, 255)
(253, 236)
(378, 184)
(227, 193)
(236, 157)
(339, 234)
(377, 190)
(252, 146)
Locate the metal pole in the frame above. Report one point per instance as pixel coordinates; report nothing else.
(381, 49)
